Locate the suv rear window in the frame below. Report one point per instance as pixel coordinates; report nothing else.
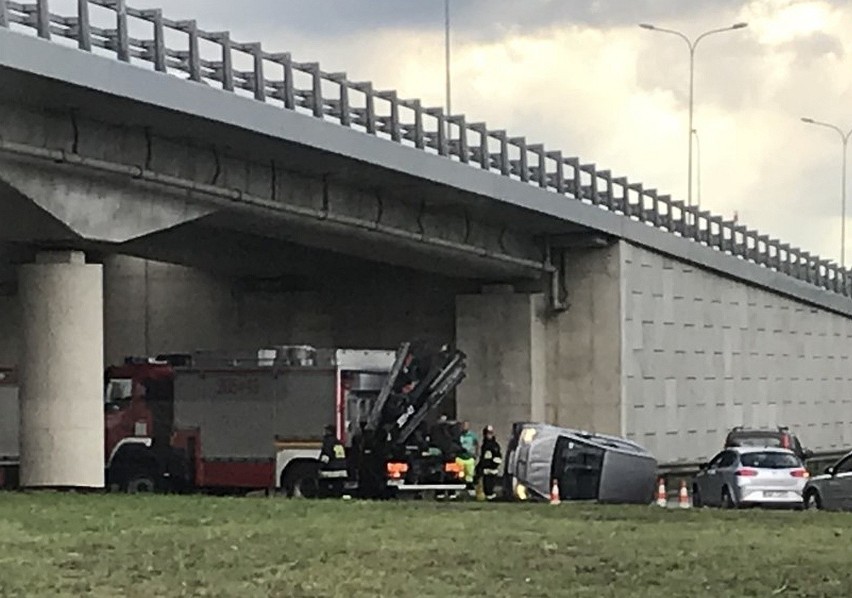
(770, 460)
(773, 441)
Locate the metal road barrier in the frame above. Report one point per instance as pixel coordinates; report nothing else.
(686, 470)
(213, 58)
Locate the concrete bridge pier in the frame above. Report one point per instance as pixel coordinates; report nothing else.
(530, 360)
(61, 433)
(503, 334)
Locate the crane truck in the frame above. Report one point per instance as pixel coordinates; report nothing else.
(225, 422)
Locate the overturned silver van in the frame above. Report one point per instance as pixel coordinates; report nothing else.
(587, 466)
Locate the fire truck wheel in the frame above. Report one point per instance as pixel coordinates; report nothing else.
(300, 481)
(140, 484)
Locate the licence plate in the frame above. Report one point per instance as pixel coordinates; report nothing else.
(774, 494)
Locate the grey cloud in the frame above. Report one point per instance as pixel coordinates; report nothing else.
(726, 68)
(473, 19)
(815, 46)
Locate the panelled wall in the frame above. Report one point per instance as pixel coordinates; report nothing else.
(702, 353)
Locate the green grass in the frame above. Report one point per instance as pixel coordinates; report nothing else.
(60, 544)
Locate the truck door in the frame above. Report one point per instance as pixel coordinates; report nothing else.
(159, 394)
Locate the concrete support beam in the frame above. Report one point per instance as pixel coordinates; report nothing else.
(584, 345)
(61, 385)
(503, 334)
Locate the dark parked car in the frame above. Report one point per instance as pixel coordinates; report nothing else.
(780, 437)
(832, 490)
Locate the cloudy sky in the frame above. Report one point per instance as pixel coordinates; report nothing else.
(581, 76)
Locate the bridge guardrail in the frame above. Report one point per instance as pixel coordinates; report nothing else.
(213, 58)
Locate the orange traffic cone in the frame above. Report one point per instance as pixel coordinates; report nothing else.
(662, 497)
(683, 497)
(554, 493)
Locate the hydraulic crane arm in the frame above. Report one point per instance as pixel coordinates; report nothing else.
(417, 383)
(450, 375)
(374, 421)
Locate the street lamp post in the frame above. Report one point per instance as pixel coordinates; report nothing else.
(698, 169)
(692, 45)
(447, 53)
(845, 139)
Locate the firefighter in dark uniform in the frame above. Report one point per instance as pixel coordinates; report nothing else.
(333, 466)
(490, 461)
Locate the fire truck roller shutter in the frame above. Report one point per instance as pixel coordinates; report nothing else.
(306, 400)
(232, 409)
(241, 413)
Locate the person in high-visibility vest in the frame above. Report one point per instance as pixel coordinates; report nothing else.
(466, 458)
(490, 461)
(332, 470)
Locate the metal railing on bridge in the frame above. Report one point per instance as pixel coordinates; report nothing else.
(213, 58)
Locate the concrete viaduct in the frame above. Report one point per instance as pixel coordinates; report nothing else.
(222, 196)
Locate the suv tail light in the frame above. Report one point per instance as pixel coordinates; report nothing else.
(800, 473)
(747, 473)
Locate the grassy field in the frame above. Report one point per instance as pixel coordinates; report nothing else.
(59, 544)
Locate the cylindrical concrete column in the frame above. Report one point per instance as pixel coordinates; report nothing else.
(61, 385)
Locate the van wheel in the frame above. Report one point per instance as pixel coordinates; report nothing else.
(140, 484)
(300, 481)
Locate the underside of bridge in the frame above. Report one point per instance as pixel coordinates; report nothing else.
(208, 237)
(201, 276)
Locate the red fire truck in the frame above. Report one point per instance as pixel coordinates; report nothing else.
(225, 422)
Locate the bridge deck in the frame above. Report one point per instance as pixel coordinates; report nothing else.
(383, 140)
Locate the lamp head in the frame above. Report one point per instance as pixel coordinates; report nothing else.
(810, 121)
(647, 26)
(740, 26)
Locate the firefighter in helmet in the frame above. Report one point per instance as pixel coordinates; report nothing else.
(490, 460)
(333, 466)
